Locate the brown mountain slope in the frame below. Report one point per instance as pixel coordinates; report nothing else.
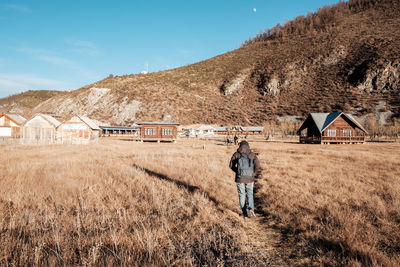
(343, 57)
(23, 103)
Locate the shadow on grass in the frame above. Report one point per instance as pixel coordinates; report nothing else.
(190, 188)
(298, 246)
(290, 240)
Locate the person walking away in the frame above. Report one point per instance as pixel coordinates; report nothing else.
(246, 166)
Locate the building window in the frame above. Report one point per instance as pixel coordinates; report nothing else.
(347, 132)
(331, 132)
(149, 131)
(167, 131)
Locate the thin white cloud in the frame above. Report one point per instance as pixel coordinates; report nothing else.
(18, 8)
(29, 80)
(16, 83)
(59, 61)
(80, 43)
(82, 46)
(75, 68)
(49, 57)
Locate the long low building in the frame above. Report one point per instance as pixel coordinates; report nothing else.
(252, 130)
(229, 130)
(132, 131)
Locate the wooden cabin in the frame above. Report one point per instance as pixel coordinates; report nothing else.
(158, 131)
(10, 125)
(40, 129)
(78, 130)
(327, 128)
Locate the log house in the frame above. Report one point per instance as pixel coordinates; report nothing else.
(328, 128)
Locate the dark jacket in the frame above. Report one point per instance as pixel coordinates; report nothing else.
(244, 149)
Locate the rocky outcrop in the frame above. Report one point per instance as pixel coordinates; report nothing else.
(234, 86)
(100, 103)
(383, 78)
(272, 87)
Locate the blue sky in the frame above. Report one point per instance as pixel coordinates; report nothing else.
(66, 44)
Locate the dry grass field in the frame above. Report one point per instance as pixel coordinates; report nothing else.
(128, 203)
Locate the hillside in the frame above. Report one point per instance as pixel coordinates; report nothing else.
(25, 102)
(341, 58)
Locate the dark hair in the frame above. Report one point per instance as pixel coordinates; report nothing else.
(244, 143)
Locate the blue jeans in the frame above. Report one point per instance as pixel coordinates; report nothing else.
(245, 190)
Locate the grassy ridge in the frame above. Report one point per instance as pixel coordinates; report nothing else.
(26, 101)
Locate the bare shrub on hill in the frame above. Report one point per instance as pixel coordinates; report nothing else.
(325, 19)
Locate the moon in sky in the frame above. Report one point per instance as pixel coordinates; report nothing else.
(254, 9)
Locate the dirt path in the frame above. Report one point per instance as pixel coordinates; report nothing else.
(272, 243)
(266, 240)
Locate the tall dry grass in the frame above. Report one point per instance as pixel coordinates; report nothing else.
(89, 205)
(176, 204)
(342, 200)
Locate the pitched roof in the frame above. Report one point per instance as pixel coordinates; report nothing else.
(355, 121)
(50, 119)
(205, 128)
(16, 118)
(323, 120)
(157, 123)
(89, 122)
(119, 128)
(252, 128)
(220, 129)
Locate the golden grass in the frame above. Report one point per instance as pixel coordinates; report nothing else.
(88, 205)
(176, 204)
(342, 199)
